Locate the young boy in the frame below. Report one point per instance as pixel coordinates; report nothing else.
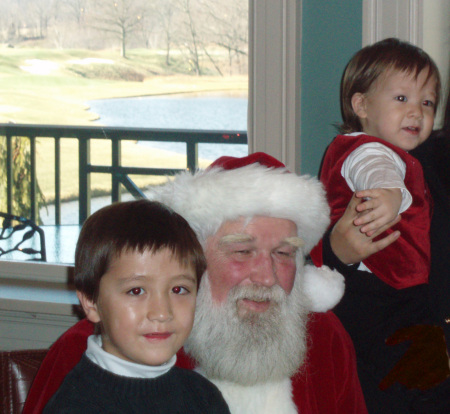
(389, 96)
(138, 265)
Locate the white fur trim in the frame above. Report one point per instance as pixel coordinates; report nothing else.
(209, 198)
(267, 398)
(323, 286)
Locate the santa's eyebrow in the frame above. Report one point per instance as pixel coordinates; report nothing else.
(235, 238)
(294, 241)
(243, 238)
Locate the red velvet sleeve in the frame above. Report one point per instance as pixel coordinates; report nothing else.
(328, 382)
(63, 355)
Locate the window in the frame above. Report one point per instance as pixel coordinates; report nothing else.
(69, 50)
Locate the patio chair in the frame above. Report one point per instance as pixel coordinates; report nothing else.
(14, 234)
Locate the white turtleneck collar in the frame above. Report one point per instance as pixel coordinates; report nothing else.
(119, 366)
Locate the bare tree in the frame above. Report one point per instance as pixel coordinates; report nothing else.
(211, 25)
(121, 18)
(192, 41)
(16, 19)
(76, 9)
(200, 30)
(42, 12)
(166, 12)
(229, 28)
(5, 21)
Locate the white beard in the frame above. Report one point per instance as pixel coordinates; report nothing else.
(264, 398)
(255, 348)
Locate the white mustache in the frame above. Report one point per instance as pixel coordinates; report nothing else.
(258, 293)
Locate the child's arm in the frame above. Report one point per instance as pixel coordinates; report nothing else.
(375, 171)
(382, 206)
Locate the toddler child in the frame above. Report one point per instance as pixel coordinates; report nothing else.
(389, 95)
(138, 265)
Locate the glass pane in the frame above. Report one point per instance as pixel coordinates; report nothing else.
(166, 64)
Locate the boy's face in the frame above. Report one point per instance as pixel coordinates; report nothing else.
(399, 108)
(145, 306)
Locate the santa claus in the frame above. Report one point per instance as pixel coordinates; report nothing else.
(263, 333)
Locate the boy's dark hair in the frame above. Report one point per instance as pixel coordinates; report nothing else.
(370, 62)
(132, 226)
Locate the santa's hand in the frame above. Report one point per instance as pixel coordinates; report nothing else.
(349, 244)
(425, 364)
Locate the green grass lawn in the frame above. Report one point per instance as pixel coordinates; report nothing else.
(60, 97)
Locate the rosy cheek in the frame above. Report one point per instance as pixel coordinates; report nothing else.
(286, 276)
(238, 271)
(224, 280)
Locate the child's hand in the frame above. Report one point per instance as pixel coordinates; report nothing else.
(380, 208)
(352, 246)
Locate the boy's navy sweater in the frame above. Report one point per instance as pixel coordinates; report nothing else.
(89, 388)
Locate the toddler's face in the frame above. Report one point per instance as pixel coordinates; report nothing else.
(399, 108)
(146, 306)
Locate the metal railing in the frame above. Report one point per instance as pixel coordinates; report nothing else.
(119, 173)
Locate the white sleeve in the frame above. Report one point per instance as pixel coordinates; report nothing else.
(373, 165)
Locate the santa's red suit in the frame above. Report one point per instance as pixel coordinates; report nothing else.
(326, 384)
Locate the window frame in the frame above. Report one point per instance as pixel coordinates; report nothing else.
(274, 105)
(274, 80)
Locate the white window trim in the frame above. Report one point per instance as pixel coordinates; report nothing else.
(274, 79)
(393, 18)
(35, 271)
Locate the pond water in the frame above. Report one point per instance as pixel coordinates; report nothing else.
(221, 112)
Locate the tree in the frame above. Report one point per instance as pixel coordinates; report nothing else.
(41, 12)
(76, 9)
(21, 167)
(166, 11)
(119, 17)
(228, 28)
(200, 30)
(210, 25)
(192, 41)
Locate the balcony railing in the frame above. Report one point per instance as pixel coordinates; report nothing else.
(119, 173)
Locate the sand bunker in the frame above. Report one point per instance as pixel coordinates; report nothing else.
(39, 67)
